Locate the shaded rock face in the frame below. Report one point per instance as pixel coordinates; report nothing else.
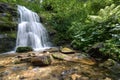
(95, 52)
(8, 17)
(4, 7)
(6, 44)
(8, 24)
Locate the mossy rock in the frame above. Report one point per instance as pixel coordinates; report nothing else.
(44, 60)
(23, 49)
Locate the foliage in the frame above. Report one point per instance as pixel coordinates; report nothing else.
(112, 49)
(112, 46)
(23, 49)
(63, 13)
(103, 27)
(81, 23)
(109, 12)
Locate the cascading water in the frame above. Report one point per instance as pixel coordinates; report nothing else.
(30, 31)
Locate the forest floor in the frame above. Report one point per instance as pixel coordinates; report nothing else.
(86, 69)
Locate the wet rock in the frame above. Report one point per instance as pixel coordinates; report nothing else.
(84, 78)
(67, 50)
(70, 74)
(67, 72)
(4, 73)
(44, 60)
(18, 68)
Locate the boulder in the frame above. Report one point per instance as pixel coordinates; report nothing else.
(67, 50)
(44, 60)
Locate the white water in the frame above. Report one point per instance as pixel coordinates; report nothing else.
(30, 31)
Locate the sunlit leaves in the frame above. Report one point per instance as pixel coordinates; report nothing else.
(109, 12)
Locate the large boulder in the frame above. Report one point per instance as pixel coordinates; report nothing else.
(44, 60)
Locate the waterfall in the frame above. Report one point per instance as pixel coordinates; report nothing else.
(30, 31)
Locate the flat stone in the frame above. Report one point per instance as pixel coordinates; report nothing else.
(62, 56)
(54, 49)
(67, 50)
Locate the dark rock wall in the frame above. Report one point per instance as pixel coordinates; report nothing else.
(8, 26)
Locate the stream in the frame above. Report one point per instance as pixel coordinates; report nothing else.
(87, 69)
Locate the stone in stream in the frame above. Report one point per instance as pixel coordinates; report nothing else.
(4, 73)
(18, 68)
(71, 74)
(44, 60)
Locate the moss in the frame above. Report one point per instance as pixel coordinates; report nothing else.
(24, 49)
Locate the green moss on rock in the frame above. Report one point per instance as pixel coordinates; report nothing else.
(24, 49)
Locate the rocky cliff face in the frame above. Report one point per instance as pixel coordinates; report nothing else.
(8, 25)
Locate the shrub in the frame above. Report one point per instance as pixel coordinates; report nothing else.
(103, 27)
